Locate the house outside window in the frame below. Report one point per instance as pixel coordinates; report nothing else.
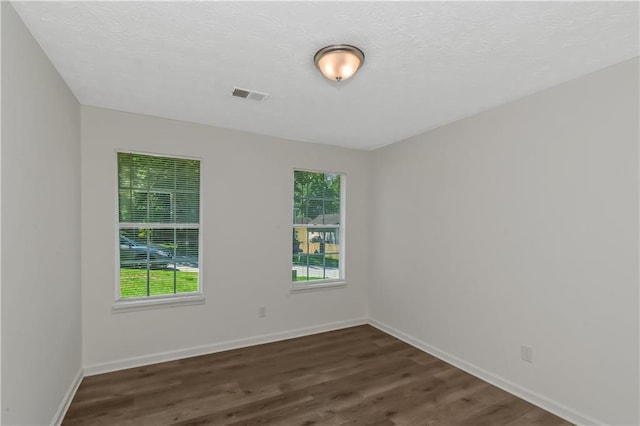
(158, 227)
(317, 237)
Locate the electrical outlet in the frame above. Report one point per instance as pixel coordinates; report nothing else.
(262, 312)
(526, 353)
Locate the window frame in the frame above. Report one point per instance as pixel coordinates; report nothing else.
(165, 300)
(301, 286)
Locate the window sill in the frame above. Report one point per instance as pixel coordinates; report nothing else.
(295, 287)
(129, 305)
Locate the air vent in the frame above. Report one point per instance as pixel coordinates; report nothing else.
(249, 94)
(240, 93)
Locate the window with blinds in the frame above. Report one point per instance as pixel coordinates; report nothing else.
(158, 225)
(317, 228)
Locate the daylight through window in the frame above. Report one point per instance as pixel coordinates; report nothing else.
(317, 227)
(158, 225)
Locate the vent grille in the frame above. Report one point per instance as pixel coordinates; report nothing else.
(249, 94)
(240, 93)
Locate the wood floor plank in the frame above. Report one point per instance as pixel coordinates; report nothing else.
(353, 376)
(451, 410)
(335, 393)
(539, 417)
(504, 412)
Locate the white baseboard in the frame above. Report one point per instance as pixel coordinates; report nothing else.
(504, 384)
(139, 361)
(68, 397)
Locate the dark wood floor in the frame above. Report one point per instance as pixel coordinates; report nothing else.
(354, 376)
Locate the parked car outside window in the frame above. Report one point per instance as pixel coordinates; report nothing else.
(137, 255)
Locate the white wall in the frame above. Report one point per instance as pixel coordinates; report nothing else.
(520, 226)
(41, 348)
(247, 203)
(0, 215)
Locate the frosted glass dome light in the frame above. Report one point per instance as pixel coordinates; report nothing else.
(339, 62)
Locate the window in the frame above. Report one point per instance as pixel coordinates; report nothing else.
(317, 228)
(158, 226)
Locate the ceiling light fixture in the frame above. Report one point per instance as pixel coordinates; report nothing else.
(339, 61)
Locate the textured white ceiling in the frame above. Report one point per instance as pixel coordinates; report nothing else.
(426, 64)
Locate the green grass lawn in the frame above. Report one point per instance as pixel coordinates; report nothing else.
(316, 260)
(133, 282)
(303, 278)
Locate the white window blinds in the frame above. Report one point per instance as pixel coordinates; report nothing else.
(158, 225)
